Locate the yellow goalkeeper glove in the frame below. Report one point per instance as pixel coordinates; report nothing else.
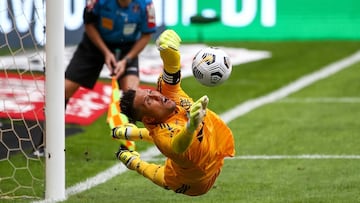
(123, 131)
(197, 113)
(182, 141)
(129, 131)
(168, 44)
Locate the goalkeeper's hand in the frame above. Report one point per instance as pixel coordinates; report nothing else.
(197, 113)
(123, 131)
(183, 140)
(168, 44)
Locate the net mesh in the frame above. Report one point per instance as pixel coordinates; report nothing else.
(21, 93)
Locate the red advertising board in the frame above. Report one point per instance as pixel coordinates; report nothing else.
(23, 97)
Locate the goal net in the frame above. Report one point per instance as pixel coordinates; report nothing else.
(23, 161)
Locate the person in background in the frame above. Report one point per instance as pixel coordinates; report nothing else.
(193, 138)
(116, 31)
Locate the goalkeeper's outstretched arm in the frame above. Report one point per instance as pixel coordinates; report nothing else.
(182, 141)
(168, 44)
(131, 132)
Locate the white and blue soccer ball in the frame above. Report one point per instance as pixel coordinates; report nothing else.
(211, 66)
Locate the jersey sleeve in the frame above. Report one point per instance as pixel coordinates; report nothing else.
(148, 24)
(90, 14)
(163, 133)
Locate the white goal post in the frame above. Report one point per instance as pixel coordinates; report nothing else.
(54, 101)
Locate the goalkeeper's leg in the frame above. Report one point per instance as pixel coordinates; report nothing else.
(151, 171)
(130, 131)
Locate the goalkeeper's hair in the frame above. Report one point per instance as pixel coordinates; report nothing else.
(127, 105)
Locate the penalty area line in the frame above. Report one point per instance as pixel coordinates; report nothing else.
(228, 116)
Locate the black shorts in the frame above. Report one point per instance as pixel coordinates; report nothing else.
(87, 62)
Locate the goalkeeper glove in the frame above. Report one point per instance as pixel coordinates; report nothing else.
(197, 113)
(123, 131)
(182, 141)
(131, 132)
(127, 157)
(168, 44)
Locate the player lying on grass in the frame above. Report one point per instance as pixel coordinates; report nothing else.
(193, 138)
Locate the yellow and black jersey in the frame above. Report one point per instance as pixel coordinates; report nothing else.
(212, 142)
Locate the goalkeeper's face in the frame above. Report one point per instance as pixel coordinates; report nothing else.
(152, 106)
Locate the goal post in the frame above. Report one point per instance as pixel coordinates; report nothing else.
(54, 101)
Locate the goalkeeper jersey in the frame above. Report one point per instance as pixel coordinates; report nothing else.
(194, 171)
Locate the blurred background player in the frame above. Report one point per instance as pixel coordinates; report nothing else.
(116, 31)
(193, 138)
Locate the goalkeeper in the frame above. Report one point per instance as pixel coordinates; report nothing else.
(193, 138)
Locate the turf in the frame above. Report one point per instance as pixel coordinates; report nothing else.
(292, 126)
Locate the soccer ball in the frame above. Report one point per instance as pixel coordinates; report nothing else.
(211, 66)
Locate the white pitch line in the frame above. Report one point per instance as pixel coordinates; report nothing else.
(101, 177)
(321, 100)
(228, 116)
(291, 88)
(108, 174)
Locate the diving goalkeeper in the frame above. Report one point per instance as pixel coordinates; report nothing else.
(193, 138)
